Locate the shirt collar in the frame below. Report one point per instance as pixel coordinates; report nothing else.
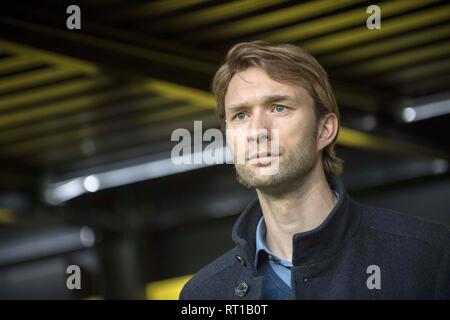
(261, 244)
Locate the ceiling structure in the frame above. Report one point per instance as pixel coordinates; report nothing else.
(74, 100)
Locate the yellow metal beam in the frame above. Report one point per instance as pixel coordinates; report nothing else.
(389, 27)
(160, 7)
(71, 120)
(75, 104)
(7, 216)
(178, 92)
(50, 92)
(50, 57)
(341, 20)
(122, 48)
(378, 65)
(219, 12)
(379, 48)
(196, 98)
(31, 78)
(270, 20)
(356, 139)
(168, 289)
(18, 62)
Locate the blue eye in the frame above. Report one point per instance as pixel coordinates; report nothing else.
(240, 116)
(279, 108)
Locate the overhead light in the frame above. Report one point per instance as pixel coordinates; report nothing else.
(91, 183)
(440, 166)
(409, 114)
(87, 236)
(59, 192)
(425, 111)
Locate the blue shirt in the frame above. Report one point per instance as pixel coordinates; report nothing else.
(282, 268)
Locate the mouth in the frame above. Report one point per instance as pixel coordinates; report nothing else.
(262, 158)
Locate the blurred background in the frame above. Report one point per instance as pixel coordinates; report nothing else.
(86, 118)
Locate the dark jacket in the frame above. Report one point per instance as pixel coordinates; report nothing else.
(339, 258)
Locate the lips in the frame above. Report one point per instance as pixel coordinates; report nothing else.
(262, 155)
(262, 158)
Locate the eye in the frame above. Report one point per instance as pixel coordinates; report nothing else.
(279, 108)
(240, 116)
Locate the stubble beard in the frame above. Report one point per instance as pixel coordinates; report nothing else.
(294, 167)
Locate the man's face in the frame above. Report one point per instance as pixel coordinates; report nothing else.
(253, 102)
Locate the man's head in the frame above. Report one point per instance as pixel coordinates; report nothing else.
(284, 89)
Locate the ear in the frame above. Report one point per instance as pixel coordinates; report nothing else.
(327, 130)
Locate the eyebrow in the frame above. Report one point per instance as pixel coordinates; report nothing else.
(266, 100)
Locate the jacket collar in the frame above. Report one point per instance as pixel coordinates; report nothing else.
(308, 247)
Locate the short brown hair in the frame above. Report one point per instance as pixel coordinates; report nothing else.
(285, 63)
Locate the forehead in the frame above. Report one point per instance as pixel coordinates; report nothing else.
(254, 83)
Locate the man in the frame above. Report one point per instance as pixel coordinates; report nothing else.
(304, 237)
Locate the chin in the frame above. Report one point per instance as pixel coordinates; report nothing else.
(259, 181)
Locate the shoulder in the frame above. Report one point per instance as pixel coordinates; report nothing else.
(399, 225)
(210, 279)
(421, 245)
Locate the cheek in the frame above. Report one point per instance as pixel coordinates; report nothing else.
(291, 136)
(235, 139)
(230, 138)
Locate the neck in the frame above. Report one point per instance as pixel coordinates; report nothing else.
(301, 209)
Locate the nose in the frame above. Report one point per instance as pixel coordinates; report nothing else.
(259, 128)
